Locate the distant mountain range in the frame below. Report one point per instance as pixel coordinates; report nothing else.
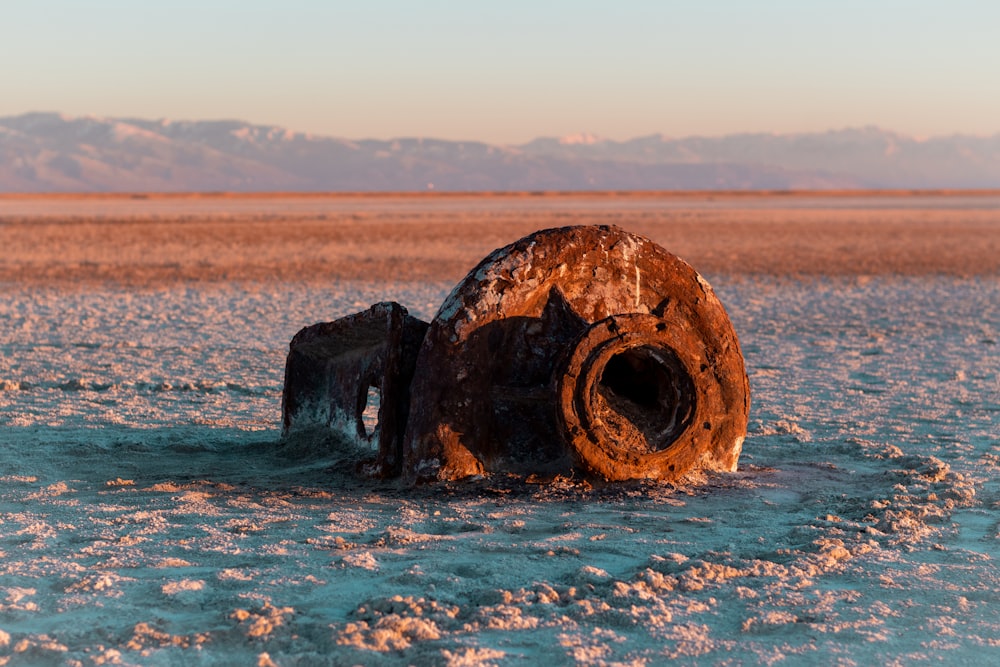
(49, 152)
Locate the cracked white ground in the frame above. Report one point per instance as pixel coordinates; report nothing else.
(149, 514)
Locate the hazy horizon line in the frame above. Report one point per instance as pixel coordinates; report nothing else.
(571, 138)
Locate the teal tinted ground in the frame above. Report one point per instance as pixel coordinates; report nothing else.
(149, 514)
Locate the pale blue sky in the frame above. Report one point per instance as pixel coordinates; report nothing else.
(509, 71)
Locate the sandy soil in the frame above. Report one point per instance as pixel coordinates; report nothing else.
(165, 240)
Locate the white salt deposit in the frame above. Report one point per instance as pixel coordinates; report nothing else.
(150, 516)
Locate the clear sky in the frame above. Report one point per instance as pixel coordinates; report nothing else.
(511, 70)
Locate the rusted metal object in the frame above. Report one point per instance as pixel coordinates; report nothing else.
(335, 370)
(580, 349)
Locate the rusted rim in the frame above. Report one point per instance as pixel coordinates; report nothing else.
(649, 418)
(503, 329)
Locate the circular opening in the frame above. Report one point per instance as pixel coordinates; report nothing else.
(648, 398)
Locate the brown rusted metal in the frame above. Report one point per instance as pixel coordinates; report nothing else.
(333, 371)
(580, 349)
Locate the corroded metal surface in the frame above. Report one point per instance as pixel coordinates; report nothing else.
(335, 369)
(580, 349)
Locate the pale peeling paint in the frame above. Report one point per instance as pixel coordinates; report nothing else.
(638, 283)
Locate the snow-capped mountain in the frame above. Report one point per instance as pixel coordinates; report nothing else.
(48, 152)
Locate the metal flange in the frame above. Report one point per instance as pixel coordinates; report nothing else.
(579, 348)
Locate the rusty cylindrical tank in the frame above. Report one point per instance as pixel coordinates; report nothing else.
(578, 349)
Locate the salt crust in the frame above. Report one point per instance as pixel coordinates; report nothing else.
(860, 528)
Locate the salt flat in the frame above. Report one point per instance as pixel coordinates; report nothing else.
(149, 513)
(319, 239)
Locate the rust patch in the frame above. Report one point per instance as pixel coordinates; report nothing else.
(578, 349)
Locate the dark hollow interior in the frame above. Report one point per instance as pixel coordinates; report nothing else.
(649, 387)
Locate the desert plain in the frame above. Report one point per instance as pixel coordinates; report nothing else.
(159, 239)
(150, 513)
